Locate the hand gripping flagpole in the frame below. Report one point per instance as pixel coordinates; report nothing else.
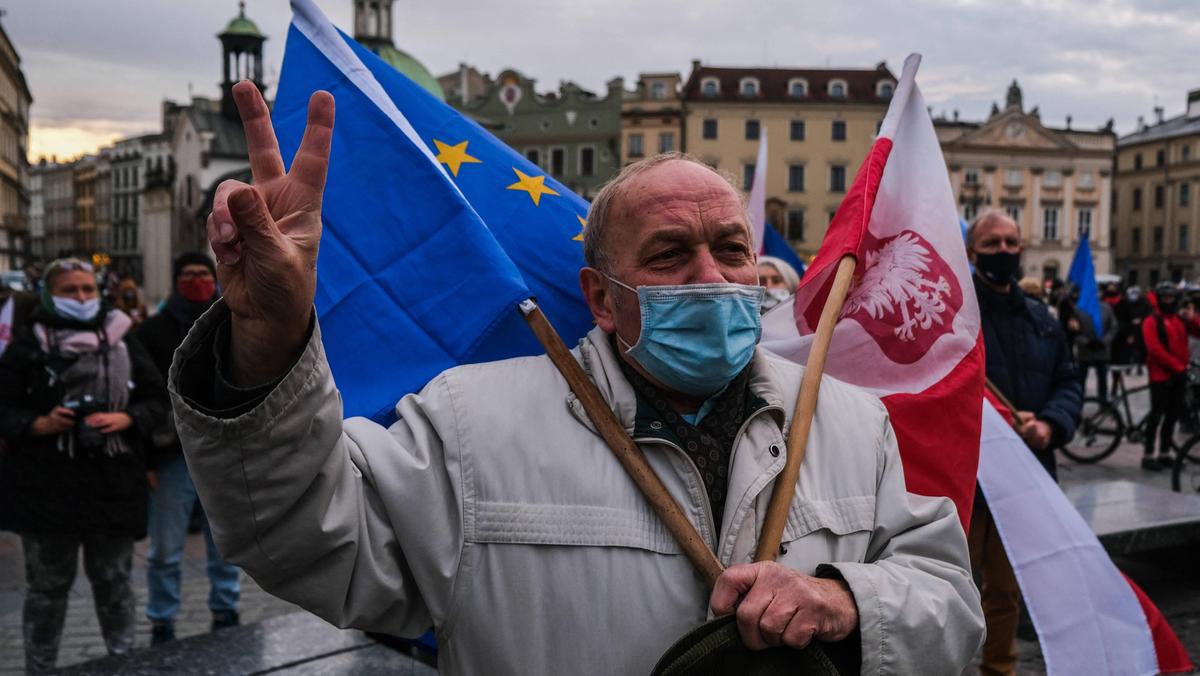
(802, 417)
(623, 447)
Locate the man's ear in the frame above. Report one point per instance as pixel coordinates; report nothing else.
(971, 255)
(596, 292)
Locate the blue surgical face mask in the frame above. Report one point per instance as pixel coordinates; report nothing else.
(79, 310)
(696, 337)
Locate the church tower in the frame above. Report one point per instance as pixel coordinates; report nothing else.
(373, 30)
(241, 54)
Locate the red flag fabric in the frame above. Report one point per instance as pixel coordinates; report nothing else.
(909, 330)
(1172, 657)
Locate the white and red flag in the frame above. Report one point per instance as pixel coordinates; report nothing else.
(909, 330)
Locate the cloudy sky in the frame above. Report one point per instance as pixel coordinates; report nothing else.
(99, 70)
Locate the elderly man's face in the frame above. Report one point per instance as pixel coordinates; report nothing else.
(677, 223)
(998, 234)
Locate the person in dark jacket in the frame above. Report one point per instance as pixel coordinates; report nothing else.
(1131, 311)
(77, 398)
(1029, 361)
(173, 496)
(1092, 347)
(1165, 334)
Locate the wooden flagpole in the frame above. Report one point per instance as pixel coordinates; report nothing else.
(802, 417)
(623, 447)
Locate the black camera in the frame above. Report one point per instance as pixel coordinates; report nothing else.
(87, 438)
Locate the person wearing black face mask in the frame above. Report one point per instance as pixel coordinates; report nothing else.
(1167, 355)
(1029, 361)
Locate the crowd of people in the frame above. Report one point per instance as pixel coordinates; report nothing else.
(89, 456)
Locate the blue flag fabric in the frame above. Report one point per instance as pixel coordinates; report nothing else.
(410, 280)
(775, 245)
(1083, 275)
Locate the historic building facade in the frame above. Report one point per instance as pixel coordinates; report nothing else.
(55, 184)
(1157, 213)
(573, 134)
(652, 117)
(1055, 182)
(14, 161)
(820, 122)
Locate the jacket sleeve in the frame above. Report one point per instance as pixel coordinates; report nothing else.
(356, 523)
(1065, 399)
(1109, 323)
(918, 608)
(16, 416)
(148, 403)
(1156, 351)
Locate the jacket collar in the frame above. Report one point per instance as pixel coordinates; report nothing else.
(599, 361)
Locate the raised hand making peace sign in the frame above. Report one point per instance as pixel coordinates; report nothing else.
(266, 237)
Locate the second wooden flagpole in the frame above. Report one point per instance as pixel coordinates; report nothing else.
(802, 417)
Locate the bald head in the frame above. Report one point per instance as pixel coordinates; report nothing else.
(991, 222)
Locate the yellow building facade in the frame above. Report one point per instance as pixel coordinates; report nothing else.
(652, 117)
(819, 123)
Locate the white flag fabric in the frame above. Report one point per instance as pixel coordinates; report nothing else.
(758, 194)
(1088, 620)
(6, 321)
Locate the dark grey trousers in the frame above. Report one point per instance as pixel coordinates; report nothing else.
(50, 565)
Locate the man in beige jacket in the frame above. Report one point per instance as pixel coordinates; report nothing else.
(493, 512)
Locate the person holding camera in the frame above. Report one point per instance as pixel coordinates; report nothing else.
(77, 397)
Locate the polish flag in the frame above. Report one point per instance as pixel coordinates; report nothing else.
(909, 330)
(910, 333)
(758, 195)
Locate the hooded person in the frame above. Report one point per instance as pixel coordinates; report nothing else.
(78, 396)
(173, 495)
(1165, 334)
(128, 299)
(779, 279)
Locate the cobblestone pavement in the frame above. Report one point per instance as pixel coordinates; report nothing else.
(1169, 577)
(81, 635)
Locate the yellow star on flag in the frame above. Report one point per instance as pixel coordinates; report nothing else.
(534, 185)
(582, 225)
(454, 156)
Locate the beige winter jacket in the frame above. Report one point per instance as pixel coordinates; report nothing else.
(494, 513)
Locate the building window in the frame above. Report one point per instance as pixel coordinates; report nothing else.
(1137, 161)
(1137, 199)
(710, 129)
(839, 131)
(1087, 180)
(1159, 197)
(635, 145)
(658, 91)
(1013, 177)
(796, 178)
(970, 210)
(885, 88)
(1185, 153)
(1157, 239)
(1185, 194)
(837, 89)
(1014, 212)
(795, 224)
(1052, 179)
(971, 176)
(747, 176)
(748, 87)
(666, 141)
(710, 87)
(1154, 275)
(1160, 157)
(837, 178)
(558, 161)
(1050, 271)
(587, 161)
(797, 88)
(796, 129)
(534, 156)
(1050, 223)
(1183, 237)
(752, 129)
(1135, 240)
(1085, 222)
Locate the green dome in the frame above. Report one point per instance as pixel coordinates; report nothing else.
(415, 71)
(240, 25)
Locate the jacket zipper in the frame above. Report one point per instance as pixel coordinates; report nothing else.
(696, 473)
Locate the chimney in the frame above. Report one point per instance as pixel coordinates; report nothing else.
(1141, 123)
(956, 115)
(1193, 106)
(695, 65)
(1158, 114)
(1068, 123)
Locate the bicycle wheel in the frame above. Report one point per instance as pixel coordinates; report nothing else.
(1185, 475)
(1100, 431)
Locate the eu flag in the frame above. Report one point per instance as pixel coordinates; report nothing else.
(433, 229)
(1083, 275)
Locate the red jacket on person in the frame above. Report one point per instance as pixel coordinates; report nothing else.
(1171, 359)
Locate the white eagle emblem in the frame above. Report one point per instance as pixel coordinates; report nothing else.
(894, 281)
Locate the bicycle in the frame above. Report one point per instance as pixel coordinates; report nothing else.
(1104, 423)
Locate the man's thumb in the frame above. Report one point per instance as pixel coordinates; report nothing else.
(250, 214)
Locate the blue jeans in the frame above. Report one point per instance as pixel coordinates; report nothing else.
(170, 509)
